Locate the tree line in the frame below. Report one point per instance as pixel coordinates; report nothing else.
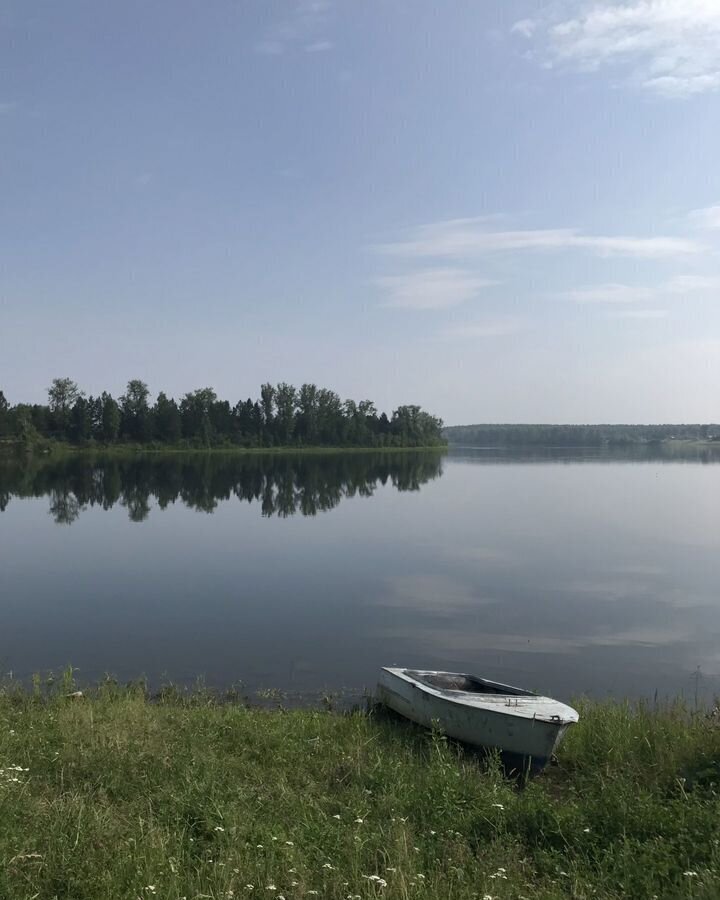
(282, 416)
(575, 435)
(281, 485)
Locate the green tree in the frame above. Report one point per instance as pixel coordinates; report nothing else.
(168, 422)
(195, 409)
(95, 406)
(285, 402)
(330, 417)
(307, 424)
(136, 422)
(80, 421)
(62, 394)
(267, 401)
(4, 418)
(110, 418)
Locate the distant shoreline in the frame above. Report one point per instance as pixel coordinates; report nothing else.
(618, 445)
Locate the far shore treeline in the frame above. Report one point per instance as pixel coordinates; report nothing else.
(283, 416)
(575, 435)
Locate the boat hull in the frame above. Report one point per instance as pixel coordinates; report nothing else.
(529, 739)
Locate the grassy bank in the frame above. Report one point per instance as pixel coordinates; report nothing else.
(58, 448)
(113, 796)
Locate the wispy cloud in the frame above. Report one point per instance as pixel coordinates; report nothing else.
(458, 238)
(639, 314)
(709, 217)
(302, 26)
(487, 328)
(608, 293)
(669, 47)
(319, 47)
(432, 288)
(680, 285)
(7, 107)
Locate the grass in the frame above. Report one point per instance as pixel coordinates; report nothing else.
(113, 795)
(53, 447)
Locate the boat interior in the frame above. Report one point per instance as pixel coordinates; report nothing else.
(457, 681)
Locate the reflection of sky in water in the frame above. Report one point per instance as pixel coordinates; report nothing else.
(568, 578)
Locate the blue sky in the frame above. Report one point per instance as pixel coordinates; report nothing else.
(504, 211)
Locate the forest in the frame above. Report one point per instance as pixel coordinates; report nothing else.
(575, 435)
(283, 416)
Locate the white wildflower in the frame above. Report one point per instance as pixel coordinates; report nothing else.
(270, 887)
(498, 806)
(690, 874)
(586, 831)
(359, 821)
(289, 844)
(336, 816)
(376, 879)
(219, 828)
(327, 866)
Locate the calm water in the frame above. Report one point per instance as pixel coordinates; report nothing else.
(560, 571)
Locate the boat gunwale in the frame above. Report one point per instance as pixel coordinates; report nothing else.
(448, 697)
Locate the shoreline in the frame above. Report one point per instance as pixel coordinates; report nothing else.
(141, 449)
(111, 795)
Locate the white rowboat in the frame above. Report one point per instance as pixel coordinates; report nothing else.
(477, 711)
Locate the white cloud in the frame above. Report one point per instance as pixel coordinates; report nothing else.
(473, 237)
(270, 48)
(487, 328)
(629, 293)
(301, 26)
(432, 288)
(525, 27)
(668, 47)
(639, 314)
(684, 284)
(319, 46)
(709, 217)
(608, 293)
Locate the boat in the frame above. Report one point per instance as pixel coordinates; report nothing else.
(479, 712)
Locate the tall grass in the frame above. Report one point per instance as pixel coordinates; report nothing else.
(115, 796)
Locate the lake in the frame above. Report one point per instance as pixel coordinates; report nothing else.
(565, 571)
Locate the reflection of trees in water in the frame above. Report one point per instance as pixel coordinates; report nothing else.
(281, 485)
(64, 507)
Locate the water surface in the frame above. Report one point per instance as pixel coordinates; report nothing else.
(564, 571)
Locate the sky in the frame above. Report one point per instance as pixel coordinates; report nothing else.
(503, 210)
